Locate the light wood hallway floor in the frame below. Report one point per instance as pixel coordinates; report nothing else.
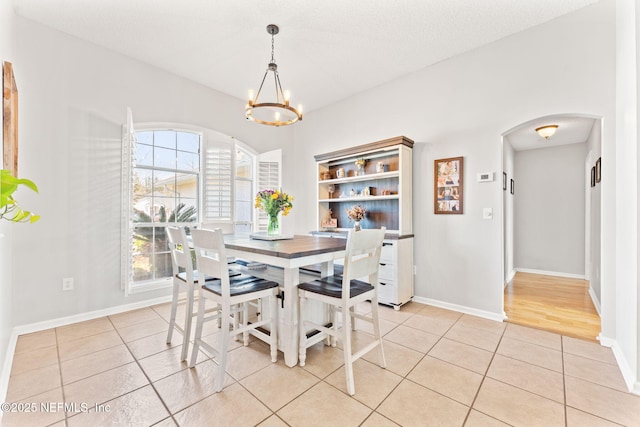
(552, 303)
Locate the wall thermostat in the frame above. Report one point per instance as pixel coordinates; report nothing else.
(485, 176)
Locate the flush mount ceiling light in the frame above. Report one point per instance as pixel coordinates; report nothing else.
(278, 112)
(547, 131)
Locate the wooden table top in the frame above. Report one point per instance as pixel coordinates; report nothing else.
(297, 247)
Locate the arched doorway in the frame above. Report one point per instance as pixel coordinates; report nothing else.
(551, 225)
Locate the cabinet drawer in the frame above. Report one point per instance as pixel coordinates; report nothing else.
(386, 272)
(387, 254)
(386, 291)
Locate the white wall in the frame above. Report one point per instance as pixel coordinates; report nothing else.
(626, 204)
(73, 100)
(6, 229)
(508, 165)
(594, 147)
(461, 107)
(549, 231)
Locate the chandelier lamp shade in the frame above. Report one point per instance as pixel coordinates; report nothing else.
(547, 131)
(278, 111)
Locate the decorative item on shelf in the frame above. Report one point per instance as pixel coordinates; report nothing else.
(329, 223)
(360, 162)
(366, 191)
(352, 193)
(331, 189)
(356, 214)
(326, 175)
(273, 202)
(276, 112)
(386, 192)
(340, 173)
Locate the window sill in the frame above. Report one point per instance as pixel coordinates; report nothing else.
(151, 286)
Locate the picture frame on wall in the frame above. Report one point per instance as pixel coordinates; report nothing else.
(9, 119)
(447, 185)
(513, 186)
(504, 181)
(593, 176)
(598, 170)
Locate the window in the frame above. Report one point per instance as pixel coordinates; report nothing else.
(178, 177)
(173, 175)
(165, 178)
(244, 193)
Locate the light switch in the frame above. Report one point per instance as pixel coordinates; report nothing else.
(487, 213)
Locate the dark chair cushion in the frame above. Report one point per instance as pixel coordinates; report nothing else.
(183, 276)
(332, 286)
(240, 284)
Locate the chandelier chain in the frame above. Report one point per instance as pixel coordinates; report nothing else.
(272, 48)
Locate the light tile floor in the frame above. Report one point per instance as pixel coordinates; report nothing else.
(443, 368)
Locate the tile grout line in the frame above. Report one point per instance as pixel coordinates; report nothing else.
(143, 372)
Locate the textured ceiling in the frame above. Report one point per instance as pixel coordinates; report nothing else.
(326, 50)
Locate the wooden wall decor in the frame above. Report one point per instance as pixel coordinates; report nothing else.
(9, 119)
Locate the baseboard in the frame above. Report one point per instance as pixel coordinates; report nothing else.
(461, 308)
(509, 278)
(551, 273)
(627, 373)
(594, 299)
(62, 321)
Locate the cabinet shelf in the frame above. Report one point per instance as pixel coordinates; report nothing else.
(361, 178)
(360, 198)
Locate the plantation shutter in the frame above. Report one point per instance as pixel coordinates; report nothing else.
(126, 220)
(217, 199)
(269, 177)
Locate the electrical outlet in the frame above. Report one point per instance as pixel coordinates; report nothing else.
(415, 270)
(67, 284)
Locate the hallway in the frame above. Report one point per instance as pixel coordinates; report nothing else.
(556, 304)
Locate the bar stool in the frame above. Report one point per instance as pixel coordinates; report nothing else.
(184, 277)
(342, 293)
(231, 294)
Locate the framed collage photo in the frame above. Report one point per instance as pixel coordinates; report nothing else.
(447, 185)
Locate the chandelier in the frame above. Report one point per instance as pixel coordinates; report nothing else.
(278, 112)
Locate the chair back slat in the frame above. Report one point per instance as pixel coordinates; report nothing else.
(362, 257)
(180, 254)
(226, 227)
(211, 256)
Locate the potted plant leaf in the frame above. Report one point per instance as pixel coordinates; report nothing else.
(9, 208)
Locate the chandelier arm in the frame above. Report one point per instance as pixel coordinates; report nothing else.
(261, 84)
(279, 91)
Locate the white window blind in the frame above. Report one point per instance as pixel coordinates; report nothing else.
(269, 177)
(218, 181)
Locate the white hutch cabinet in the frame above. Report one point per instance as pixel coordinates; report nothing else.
(378, 176)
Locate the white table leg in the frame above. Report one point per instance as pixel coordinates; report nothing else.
(289, 325)
(326, 269)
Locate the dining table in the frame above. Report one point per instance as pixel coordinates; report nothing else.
(290, 253)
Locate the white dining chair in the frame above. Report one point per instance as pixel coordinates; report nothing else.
(226, 227)
(232, 294)
(342, 293)
(185, 277)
